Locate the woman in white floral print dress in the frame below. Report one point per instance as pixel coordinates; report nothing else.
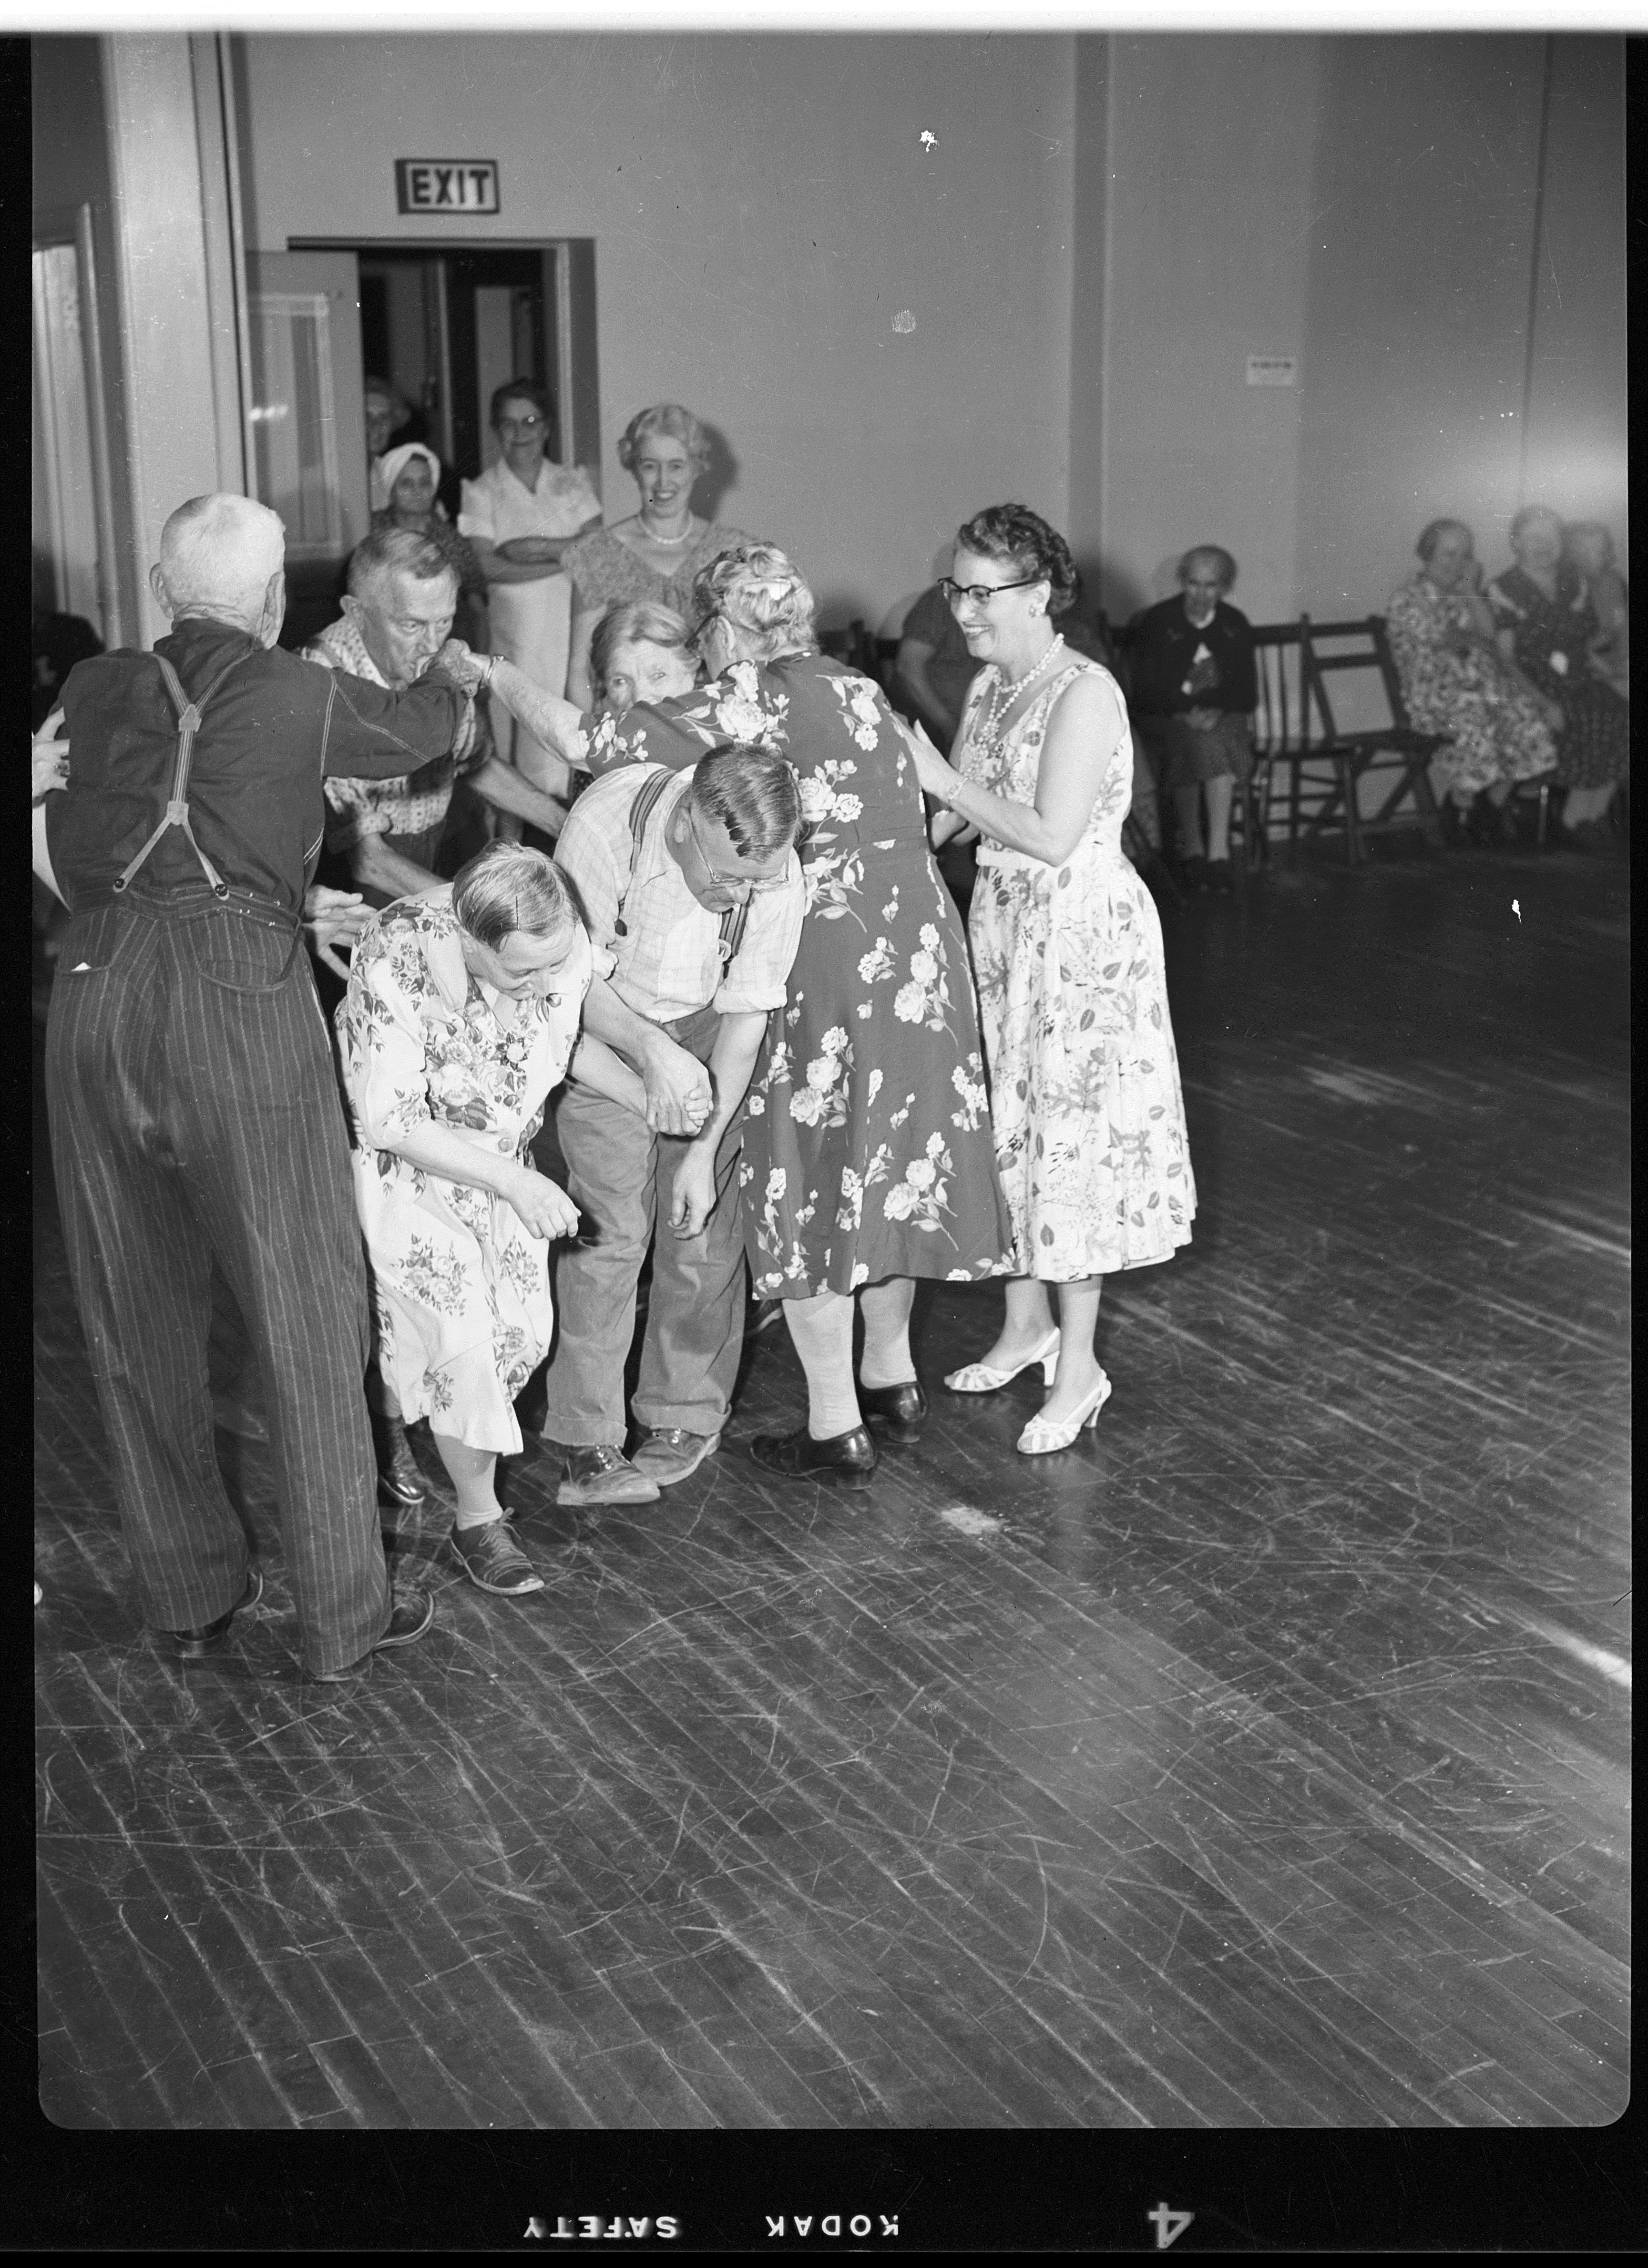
(868, 1160)
(1090, 1131)
(461, 1014)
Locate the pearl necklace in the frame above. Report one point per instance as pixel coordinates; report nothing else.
(1014, 688)
(666, 542)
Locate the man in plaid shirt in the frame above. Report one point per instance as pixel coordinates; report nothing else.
(687, 1005)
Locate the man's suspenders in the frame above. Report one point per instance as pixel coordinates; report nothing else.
(641, 810)
(177, 813)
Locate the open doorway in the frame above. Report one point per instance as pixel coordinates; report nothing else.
(445, 324)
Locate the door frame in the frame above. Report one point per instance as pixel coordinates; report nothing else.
(577, 397)
(74, 224)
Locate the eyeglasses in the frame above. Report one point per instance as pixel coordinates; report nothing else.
(519, 425)
(750, 884)
(981, 593)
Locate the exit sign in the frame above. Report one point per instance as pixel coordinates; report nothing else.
(446, 185)
(1273, 369)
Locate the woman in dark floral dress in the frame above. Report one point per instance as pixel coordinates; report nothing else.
(1546, 624)
(868, 1156)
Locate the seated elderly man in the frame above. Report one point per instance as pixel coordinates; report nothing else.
(402, 595)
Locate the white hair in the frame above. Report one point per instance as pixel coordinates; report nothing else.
(217, 554)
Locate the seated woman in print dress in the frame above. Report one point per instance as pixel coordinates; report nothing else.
(1496, 727)
(461, 1014)
(1090, 1131)
(868, 1161)
(1547, 624)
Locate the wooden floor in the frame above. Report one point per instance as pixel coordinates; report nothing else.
(1259, 1763)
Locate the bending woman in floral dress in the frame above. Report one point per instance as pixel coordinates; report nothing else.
(868, 1160)
(461, 1014)
(1090, 1131)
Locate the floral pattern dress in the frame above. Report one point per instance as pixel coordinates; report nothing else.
(460, 1290)
(1494, 728)
(867, 1147)
(1090, 1128)
(1553, 639)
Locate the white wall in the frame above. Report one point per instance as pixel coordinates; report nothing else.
(1210, 143)
(764, 208)
(1368, 204)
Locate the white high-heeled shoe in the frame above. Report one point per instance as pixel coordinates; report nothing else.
(1041, 1436)
(979, 1378)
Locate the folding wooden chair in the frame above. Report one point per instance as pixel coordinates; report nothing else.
(1385, 745)
(1314, 778)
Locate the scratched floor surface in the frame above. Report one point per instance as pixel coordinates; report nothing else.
(1260, 1763)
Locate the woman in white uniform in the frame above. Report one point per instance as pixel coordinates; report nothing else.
(519, 516)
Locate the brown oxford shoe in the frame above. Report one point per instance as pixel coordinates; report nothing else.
(602, 1474)
(666, 1455)
(193, 1644)
(849, 1458)
(898, 1412)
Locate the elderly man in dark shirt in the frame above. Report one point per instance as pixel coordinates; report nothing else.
(193, 1111)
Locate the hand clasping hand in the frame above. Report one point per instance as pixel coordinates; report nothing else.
(678, 1091)
(50, 758)
(333, 918)
(459, 662)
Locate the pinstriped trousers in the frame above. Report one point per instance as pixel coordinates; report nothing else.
(194, 1114)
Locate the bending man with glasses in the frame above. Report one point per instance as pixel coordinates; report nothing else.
(692, 894)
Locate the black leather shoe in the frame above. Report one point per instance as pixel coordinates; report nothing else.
(849, 1458)
(896, 1412)
(399, 1479)
(1192, 872)
(1217, 877)
(412, 1612)
(192, 1644)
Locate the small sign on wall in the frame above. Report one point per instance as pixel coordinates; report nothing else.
(462, 186)
(1273, 369)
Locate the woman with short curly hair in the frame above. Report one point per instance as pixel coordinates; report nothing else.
(1090, 1131)
(656, 553)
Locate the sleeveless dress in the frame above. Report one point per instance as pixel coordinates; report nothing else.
(1090, 1130)
(867, 1149)
(460, 1289)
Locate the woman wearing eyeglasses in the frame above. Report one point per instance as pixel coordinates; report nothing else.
(1090, 1131)
(520, 517)
(868, 1161)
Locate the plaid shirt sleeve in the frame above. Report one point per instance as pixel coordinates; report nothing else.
(758, 976)
(592, 851)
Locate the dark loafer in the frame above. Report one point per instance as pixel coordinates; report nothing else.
(666, 1455)
(192, 1644)
(603, 1475)
(398, 1479)
(494, 1561)
(1217, 877)
(849, 1458)
(896, 1412)
(412, 1612)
